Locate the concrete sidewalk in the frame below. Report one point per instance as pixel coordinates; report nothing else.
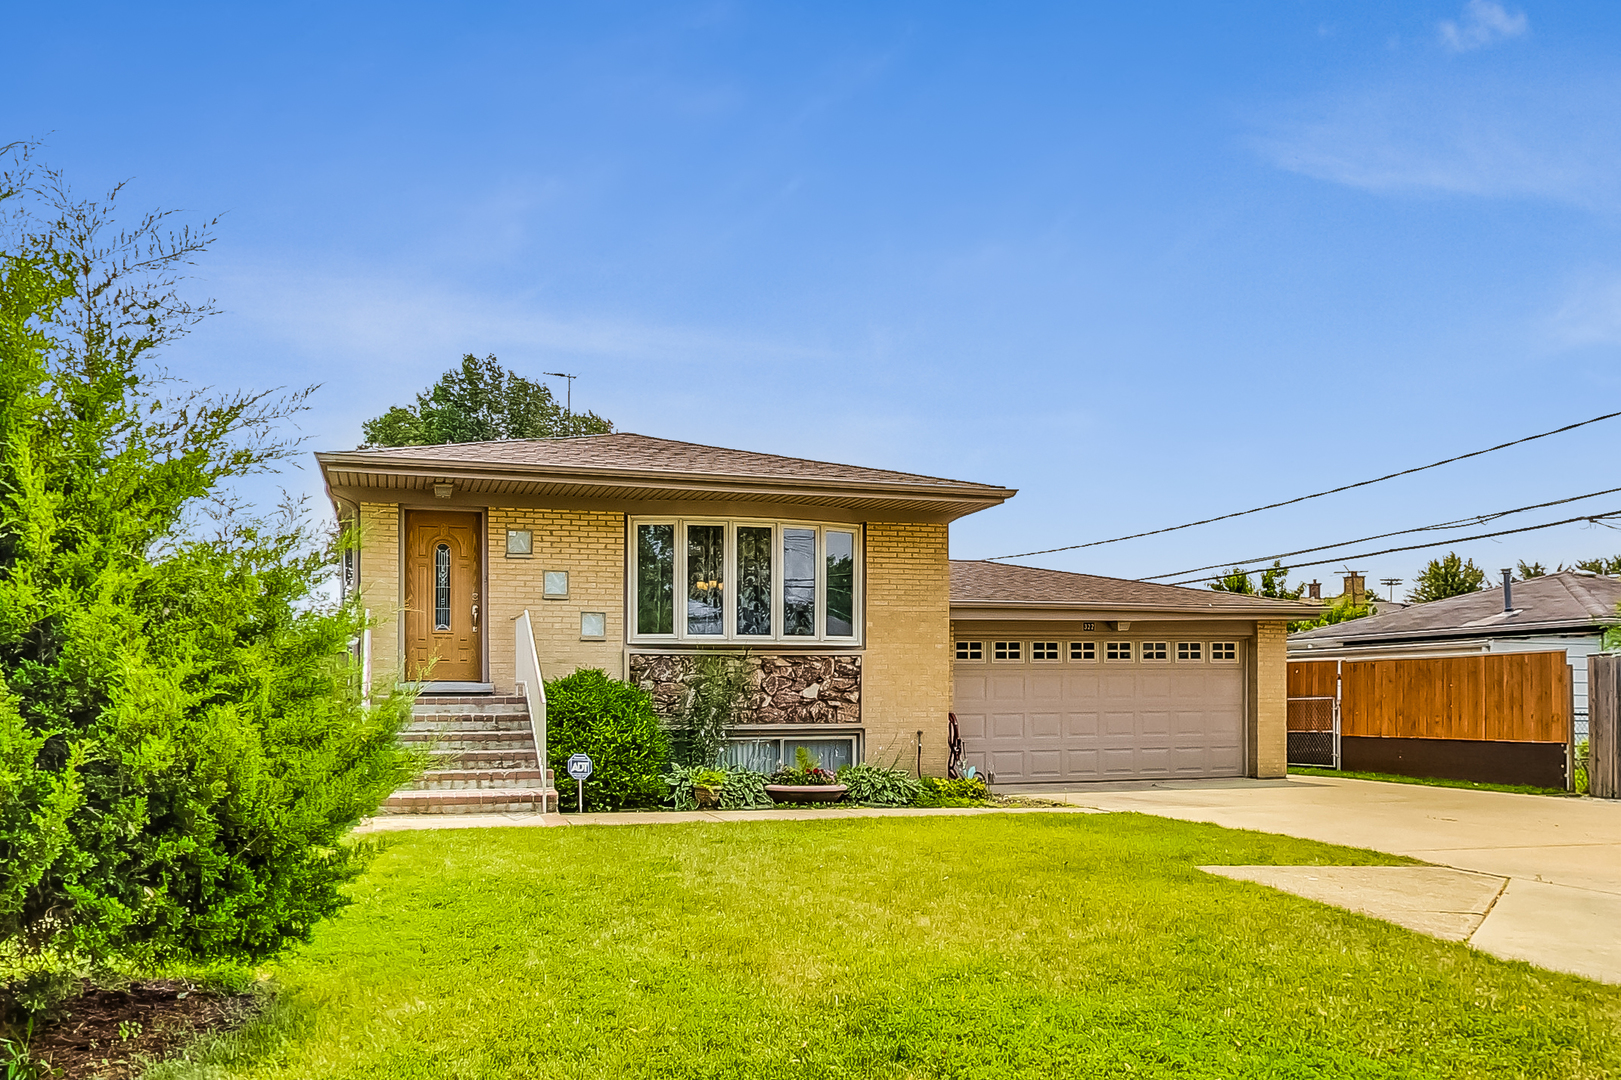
(1558, 859)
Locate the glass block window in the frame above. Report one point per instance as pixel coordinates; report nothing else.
(1189, 652)
(1083, 650)
(1156, 650)
(1224, 650)
(520, 542)
(1008, 650)
(1117, 650)
(441, 587)
(1044, 650)
(554, 585)
(970, 650)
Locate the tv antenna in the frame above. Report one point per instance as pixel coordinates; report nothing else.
(1391, 583)
(570, 378)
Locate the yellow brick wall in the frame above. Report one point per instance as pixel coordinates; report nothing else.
(590, 545)
(379, 575)
(1269, 737)
(906, 675)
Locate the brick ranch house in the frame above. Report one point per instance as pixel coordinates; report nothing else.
(630, 553)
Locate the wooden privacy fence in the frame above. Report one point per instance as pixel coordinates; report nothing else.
(1495, 717)
(1604, 726)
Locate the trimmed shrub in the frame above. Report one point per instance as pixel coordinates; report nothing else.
(613, 723)
(968, 791)
(875, 785)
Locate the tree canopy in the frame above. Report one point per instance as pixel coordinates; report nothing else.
(480, 401)
(183, 742)
(1274, 583)
(1444, 577)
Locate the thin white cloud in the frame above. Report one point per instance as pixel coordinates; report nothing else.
(1591, 313)
(1554, 139)
(1483, 23)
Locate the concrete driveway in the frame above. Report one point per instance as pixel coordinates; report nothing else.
(1559, 858)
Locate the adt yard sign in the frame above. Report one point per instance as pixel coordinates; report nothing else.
(579, 767)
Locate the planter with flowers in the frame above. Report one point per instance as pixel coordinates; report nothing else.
(806, 782)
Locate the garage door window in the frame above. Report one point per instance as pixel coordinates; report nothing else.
(1156, 652)
(1044, 650)
(1118, 652)
(1083, 652)
(1224, 652)
(1189, 652)
(1009, 650)
(970, 650)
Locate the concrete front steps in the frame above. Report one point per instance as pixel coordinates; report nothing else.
(481, 759)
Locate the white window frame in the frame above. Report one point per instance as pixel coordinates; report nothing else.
(1198, 648)
(965, 645)
(1077, 649)
(1224, 660)
(1142, 652)
(729, 634)
(1129, 658)
(1003, 646)
(1057, 648)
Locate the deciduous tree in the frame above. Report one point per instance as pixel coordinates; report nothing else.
(480, 401)
(1444, 577)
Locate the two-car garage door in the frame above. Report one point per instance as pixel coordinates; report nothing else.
(1027, 723)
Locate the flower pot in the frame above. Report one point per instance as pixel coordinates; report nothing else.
(805, 793)
(708, 798)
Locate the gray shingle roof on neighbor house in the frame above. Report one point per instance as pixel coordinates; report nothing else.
(991, 584)
(1558, 602)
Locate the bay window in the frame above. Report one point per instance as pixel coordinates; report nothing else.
(745, 581)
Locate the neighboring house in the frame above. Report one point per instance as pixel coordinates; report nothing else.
(1568, 611)
(632, 553)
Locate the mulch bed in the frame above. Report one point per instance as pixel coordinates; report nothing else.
(116, 1034)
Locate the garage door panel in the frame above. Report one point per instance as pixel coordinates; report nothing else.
(1045, 764)
(1007, 726)
(1070, 723)
(1044, 725)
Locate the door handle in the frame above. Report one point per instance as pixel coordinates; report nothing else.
(475, 616)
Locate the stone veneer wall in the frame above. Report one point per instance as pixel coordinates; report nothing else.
(1269, 702)
(791, 689)
(906, 685)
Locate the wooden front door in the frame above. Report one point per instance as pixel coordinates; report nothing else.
(443, 610)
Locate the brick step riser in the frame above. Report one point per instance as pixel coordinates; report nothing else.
(466, 802)
(476, 723)
(505, 711)
(472, 740)
(482, 760)
(456, 704)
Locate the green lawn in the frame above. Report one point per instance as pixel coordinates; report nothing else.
(1427, 781)
(998, 946)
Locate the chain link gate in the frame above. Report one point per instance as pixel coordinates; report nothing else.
(1314, 729)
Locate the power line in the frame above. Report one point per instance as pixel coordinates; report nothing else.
(1317, 495)
(1595, 519)
(1458, 523)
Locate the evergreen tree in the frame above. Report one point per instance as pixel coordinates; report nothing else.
(480, 401)
(183, 742)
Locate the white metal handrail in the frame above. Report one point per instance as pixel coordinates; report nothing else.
(534, 690)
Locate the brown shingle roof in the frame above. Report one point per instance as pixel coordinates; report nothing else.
(990, 583)
(624, 451)
(1566, 601)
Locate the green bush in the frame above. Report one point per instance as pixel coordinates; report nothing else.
(612, 722)
(183, 742)
(968, 791)
(876, 785)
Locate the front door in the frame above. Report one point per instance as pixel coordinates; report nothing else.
(442, 606)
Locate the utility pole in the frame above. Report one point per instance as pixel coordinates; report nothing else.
(1391, 583)
(570, 378)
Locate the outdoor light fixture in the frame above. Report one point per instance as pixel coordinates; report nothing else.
(443, 491)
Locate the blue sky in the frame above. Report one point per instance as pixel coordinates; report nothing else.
(1147, 263)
